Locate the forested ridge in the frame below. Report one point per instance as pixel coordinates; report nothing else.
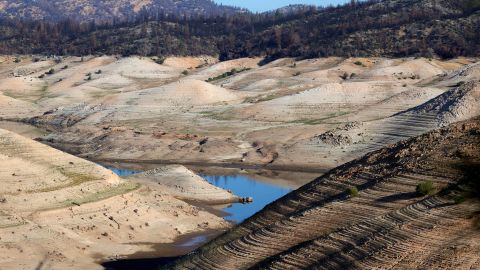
(108, 10)
(443, 28)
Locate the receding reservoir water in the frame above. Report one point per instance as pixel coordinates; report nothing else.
(242, 186)
(246, 186)
(263, 186)
(123, 172)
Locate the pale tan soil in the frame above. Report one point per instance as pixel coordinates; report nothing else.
(296, 115)
(25, 130)
(222, 67)
(63, 212)
(190, 62)
(182, 183)
(136, 109)
(182, 93)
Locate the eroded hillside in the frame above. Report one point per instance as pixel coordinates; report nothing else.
(302, 115)
(58, 211)
(310, 115)
(369, 214)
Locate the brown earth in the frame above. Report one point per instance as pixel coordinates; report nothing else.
(385, 225)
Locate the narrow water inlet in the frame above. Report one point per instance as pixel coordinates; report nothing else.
(247, 186)
(242, 185)
(263, 189)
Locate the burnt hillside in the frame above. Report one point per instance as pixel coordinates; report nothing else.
(443, 28)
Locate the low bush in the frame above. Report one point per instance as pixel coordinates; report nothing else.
(353, 191)
(227, 74)
(425, 188)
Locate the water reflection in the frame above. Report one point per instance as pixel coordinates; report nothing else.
(123, 172)
(246, 186)
(242, 186)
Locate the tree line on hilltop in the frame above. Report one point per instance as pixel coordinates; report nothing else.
(443, 28)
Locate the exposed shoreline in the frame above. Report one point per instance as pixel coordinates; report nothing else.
(226, 164)
(283, 122)
(94, 214)
(181, 245)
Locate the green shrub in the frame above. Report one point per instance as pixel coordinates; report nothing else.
(425, 188)
(185, 72)
(227, 74)
(459, 199)
(353, 191)
(358, 63)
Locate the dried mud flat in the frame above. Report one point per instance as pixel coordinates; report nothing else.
(387, 225)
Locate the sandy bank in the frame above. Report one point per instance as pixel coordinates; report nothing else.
(62, 212)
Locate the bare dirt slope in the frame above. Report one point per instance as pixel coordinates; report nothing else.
(305, 115)
(58, 211)
(309, 115)
(184, 184)
(386, 225)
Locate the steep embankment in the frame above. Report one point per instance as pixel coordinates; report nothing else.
(327, 224)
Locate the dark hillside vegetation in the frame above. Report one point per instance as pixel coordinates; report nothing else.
(108, 10)
(397, 28)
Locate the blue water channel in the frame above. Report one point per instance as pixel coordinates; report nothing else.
(242, 186)
(245, 186)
